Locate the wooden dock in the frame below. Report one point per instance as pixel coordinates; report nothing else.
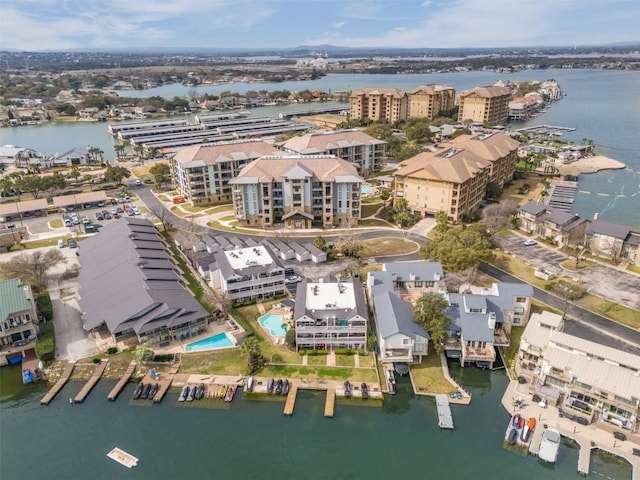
(123, 457)
(290, 404)
(164, 383)
(97, 373)
(536, 440)
(330, 403)
(59, 384)
(445, 419)
(115, 391)
(584, 456)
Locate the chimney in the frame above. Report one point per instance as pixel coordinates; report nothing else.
(492, 320)
(412, 276)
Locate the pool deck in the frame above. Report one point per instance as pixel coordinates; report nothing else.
(286, 317)
(214, 328)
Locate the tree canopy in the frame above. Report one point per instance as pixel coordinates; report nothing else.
(161, 173)
(32, 268)
(429, 312)
(459, 249)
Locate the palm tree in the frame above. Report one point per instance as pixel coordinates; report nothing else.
(119, 149)
(143, 352)
(251, 348)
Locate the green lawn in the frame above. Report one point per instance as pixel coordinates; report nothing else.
(387, 246)
(223, 362)
(321, 373)
(427, 376)
(369, 209)
(348, 361)
(374, 222)
(56, 223)
(510, 353)
(317, 360)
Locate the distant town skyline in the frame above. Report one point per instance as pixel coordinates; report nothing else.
(101, 24)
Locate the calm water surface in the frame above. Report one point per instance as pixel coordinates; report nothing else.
(602, 105)
(254, 440)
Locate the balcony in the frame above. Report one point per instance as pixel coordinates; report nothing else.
(475, 354)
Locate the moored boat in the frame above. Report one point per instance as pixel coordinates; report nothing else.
(347, 388)
(192, 394)
(513, 436)
(270, 385)
(184, 393)
(153, 391)
(279, 386)
(521, 422)
(516, 420)
(200, 392)
(365, 390)
(223, 391)
(250, 382)
(26, 376)
(145, 391)
(285, 387)
(549, 445)
(229, 395)
(138, 391)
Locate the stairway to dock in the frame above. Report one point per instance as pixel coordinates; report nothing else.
(290, 404)
(330, 403)
(97, 373)
(53, 391)
(115, 391)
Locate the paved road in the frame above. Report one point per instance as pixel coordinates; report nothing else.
(580, 322)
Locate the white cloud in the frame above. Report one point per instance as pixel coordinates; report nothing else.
(338, 24)
(362, 9)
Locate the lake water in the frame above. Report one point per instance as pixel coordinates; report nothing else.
(601, 104)
(253, 440)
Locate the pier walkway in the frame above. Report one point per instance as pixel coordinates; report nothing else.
(97, 373)
(536, 440)
(330, 403)
(291, 400)
(445, 419)
(115, 391)
(59, 384)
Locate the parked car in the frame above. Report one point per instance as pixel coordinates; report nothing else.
(137, 182)
(85, 221)
(529, 243)
(136, 211)
(620, 436)
(101, 203)
(130, 212)
(99, 216)
(119, 210)
(68, 223)
(107, 216)
(292, 279)
(71, 243)
(11, 225)
(60, 243)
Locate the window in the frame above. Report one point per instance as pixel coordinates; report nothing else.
(406, 341)
(418, 283)
(521, 299)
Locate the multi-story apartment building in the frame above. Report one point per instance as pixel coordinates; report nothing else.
(523, 108)
(297, 192)
(453, 181)
(388, 104)
(427, 101)
(354, 146)
(18, 322)
(501, 150)
(247, 273)
(485, 105)
(330, 315)
(201, 173)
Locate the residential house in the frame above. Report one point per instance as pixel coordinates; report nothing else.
(354, 146)
(298, 192)
(454, 181)
(531, 215)
(499, 149)
(485, 105)
(388, 104)
(201, 173)
(534, 342)
(19, 324)
(613, 241)
(14, 156)
(427, 101)
(330, 315)
(131, 290)
(523, 108)
(248, 273)
(75, 156)
(561, 227)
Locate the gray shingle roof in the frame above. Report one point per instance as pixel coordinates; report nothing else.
(394, 315)
(425, 271)
(533, 208)
(609, 229)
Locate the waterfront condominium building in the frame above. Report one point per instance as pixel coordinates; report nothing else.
(453, 180)
(297, 192)
(354, 146)
(247, 273)
(501, 150)
(18, 322)
(330, 315)
(201, 173)
(427, 101)
(388, 104)
(485, 105)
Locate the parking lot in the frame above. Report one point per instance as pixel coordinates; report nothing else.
(537, 255)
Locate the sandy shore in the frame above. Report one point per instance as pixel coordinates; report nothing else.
(590, 165)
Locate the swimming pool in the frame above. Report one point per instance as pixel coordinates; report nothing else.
(273, 323)
(365, 190)
(221, 340)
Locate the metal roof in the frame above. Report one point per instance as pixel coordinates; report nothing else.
(14, 297)
(394, 315)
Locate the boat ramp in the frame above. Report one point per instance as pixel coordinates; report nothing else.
(115, 391)
(123, 458)
(445, 419)
(97, 373)
(59, 384)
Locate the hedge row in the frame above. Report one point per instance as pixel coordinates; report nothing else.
(338, 351)
(46, 344)
(43, 302)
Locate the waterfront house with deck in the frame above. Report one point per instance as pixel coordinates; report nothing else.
(561, 227)
(613, 241)
(330, 315)
(19, 324)
(131, 290)
(248, 273)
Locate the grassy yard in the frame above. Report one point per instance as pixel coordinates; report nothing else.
(143, 170)
(632, 268)
(369, 209)
(369, 268)
(223, 362)
(348, 361)
(317, 360)
(387, 246)
(368, 200)
(374, 222)
(193, 209)
(220, 208)
(227, 218)
(510, 353)
(56, 223)
(427, 376)
(321, 373)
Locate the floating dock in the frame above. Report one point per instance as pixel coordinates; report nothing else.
(123, 458)
(330, 403)
(290, 404)
(445, 419)
(584, 456)
(97, 373)
(536, 440)
(59, 384)
(115, 391)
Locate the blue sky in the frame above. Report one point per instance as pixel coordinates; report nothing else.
(67, 24)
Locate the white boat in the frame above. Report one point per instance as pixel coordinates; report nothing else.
(123, 457)
(550, 445)
(250, 384)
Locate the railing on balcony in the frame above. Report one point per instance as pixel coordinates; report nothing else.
(475, 353)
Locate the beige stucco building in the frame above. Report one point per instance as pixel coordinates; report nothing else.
(297, 192)
(426, 101)
(485, 105)
(388, 104)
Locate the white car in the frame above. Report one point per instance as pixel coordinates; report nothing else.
(529, 243)
(137, 182)
(136, 211)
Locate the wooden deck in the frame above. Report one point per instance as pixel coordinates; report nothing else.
(59, 384)
(445, 419)
(115, 391)
(290, 404)
(164, 383)
(536, 440)
(97, 373)
(584, 456)
(330, 403)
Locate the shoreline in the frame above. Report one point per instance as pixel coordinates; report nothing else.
(593, 164)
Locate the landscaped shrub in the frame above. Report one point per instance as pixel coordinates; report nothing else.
(96, 360)
(112, 350)
(163, 358)
(43, 302)
(46, 344)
